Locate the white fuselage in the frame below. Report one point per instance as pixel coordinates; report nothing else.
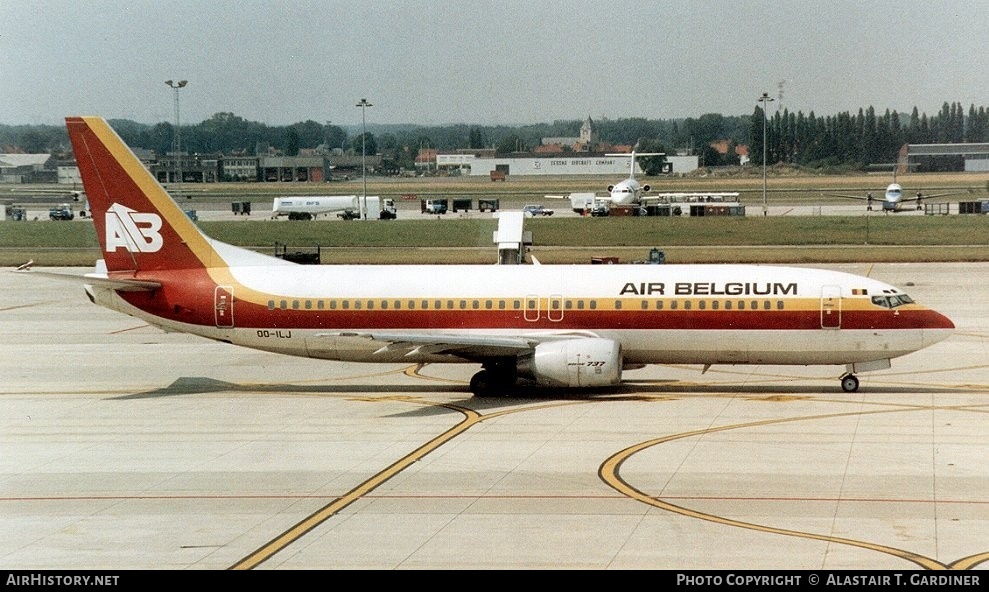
(626, 192)
(699, 314)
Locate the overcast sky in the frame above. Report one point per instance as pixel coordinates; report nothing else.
(481, 61)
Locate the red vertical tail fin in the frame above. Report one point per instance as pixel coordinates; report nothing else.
(139, 226)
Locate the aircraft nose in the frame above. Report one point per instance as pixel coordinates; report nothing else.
(936, 327)
(940, 321)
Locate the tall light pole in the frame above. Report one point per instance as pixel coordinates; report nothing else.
(176, 142)
(765, 98)
(363, 104)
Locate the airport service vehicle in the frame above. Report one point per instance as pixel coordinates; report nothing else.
(61, 212)
(568, 326)
(435, 206)
(307, 207)
(536, 210)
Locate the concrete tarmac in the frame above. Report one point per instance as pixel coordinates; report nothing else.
(126, 448)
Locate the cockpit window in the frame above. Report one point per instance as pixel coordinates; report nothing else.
(899, 300)
(892, 301)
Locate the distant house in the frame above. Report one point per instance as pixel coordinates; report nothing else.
(545, 148)
(723, 146)
(426, 159)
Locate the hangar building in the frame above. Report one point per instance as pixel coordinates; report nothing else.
(974, 156)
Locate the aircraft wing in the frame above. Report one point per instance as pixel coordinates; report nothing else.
(580, 196)
(930, 196)
(863, 197)
(470, 347)
(905, 198)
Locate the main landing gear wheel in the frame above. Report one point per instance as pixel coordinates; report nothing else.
(495, 379)
(849, 383)
(488, 383)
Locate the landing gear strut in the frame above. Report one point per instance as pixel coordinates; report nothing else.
(849, 383)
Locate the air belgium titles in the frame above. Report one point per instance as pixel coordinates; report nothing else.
(709, 289)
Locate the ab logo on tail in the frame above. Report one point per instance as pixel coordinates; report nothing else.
(132, 230)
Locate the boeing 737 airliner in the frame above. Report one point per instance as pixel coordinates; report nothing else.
(550, 325)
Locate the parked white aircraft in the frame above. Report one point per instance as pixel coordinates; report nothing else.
(893, 199)
(550, 325)
(630, 191)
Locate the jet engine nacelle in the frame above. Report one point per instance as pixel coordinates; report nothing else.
(645, 188)
(610, 187)
(574, 363)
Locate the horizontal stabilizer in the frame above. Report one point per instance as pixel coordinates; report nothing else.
(124, 285)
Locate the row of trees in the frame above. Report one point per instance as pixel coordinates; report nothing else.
(862, 139)
(838, 140)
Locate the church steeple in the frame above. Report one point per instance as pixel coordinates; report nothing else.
(587, 133)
